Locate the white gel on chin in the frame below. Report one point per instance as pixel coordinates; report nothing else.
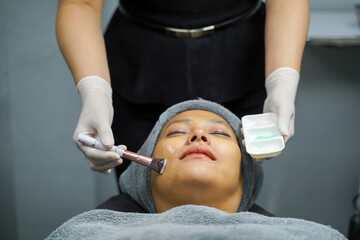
(262, 137)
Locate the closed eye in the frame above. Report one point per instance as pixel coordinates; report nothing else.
(176, 132)
(221, 133)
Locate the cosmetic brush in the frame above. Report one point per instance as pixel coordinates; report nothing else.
(156, 164)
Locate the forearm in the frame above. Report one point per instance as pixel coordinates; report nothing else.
(285, 33)
(78, 30)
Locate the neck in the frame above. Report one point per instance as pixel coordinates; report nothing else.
(225, 200)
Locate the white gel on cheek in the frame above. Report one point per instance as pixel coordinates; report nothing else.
(171, 150)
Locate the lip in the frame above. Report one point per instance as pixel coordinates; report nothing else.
(199, 150)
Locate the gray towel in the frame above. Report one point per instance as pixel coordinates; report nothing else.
(190, 222)
(135, 181)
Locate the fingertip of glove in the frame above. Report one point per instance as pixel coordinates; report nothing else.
(114, 156)
(75, 137)
(122, 147)
(107, 171)
(283, 126)
(283, 130)
(107, 141)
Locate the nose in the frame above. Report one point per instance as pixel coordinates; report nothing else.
(198, 135)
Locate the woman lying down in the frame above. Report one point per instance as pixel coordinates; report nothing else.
(207, 190)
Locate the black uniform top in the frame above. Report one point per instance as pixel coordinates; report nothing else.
(187, 13)
(151, 67)
(124, 203)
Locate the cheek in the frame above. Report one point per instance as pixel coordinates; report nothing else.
(166, 149)
(170, 148)
(231, 156)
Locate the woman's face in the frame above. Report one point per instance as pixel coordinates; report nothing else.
(202, 152)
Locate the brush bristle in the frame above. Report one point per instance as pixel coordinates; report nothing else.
(158, 165)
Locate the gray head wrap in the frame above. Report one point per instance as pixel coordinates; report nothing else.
(135, 181)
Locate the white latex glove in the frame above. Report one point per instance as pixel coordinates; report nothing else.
(95, 120)
(281, 86)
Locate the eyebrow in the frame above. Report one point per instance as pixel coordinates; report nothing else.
(183, 120)
(216, 121)
(188, 120)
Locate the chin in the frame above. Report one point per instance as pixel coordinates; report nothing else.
(199, 172)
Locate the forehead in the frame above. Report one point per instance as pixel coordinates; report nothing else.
(197, 116)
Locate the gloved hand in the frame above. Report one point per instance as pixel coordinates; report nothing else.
(95, 120)
(281, 86)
